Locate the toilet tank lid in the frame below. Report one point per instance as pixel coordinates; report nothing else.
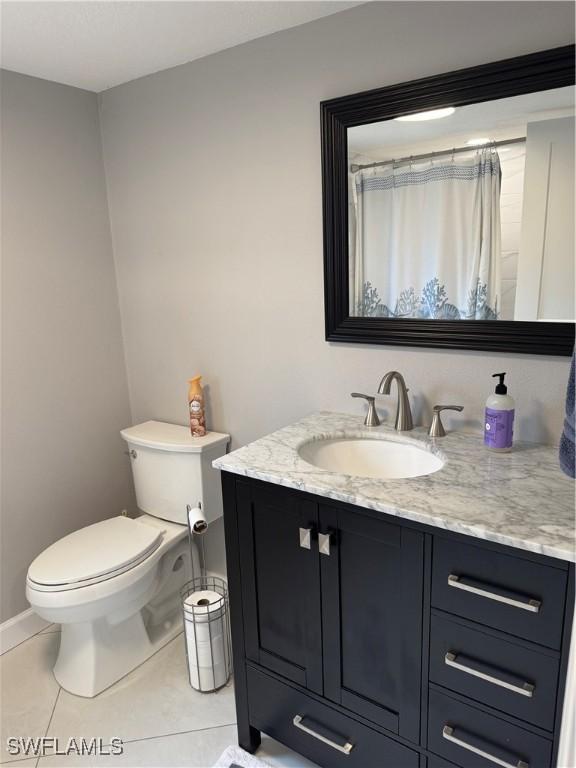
(172, 437)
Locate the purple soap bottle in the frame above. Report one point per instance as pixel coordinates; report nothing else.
(499, 418)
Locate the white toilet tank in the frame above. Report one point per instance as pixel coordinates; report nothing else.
(172, 469)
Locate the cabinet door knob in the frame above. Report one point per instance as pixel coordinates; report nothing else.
(324, 544)
(305, 537)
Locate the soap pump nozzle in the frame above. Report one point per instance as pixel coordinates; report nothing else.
(501, 388)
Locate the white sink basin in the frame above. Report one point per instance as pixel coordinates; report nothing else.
(366, 457)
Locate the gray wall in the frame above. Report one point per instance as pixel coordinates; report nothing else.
(213, 172)
(64, 384)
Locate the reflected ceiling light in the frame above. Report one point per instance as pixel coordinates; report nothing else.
(477, 142)
(433, 114)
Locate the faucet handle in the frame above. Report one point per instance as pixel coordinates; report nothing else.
(437, 428)
(371, 419)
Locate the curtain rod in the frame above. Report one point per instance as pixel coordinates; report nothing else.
(427, 155)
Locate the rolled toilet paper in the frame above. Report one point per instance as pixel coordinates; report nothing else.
(204, 617)
(206, 652)
(197, 520)
(206, 641)
(204, 602)
(208, 679)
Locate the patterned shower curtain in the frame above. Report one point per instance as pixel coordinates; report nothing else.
(425, 239)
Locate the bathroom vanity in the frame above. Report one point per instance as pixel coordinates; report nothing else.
(422, 622)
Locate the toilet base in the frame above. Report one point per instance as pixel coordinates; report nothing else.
(95, 655)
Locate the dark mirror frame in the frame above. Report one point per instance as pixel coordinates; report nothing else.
(540, 71)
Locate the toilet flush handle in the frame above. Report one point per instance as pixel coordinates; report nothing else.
(132, 453)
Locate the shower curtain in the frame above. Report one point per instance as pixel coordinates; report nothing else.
(425, 239)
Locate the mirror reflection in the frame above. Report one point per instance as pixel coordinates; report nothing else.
(465, 213)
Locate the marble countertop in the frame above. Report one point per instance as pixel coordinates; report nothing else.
(521, 499)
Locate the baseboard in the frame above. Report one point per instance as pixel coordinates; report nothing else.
(19, 628)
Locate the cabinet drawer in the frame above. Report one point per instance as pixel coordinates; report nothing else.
(509, 593)
(502, 674)
(317, 731)
(466, 736)
(438, 762)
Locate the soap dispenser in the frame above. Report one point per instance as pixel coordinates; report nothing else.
(499, 418)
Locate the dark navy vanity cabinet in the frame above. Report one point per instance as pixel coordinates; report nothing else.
(364, 640)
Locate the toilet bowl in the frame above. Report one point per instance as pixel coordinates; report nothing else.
(114, 586)
(111, 610)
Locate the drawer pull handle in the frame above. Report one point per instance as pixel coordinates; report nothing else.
(449, 735)
(346, 748)
(501, 596)
(478, 670)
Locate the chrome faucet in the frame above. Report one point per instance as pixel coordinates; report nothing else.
(403, 412)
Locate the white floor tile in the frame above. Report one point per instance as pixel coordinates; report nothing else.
(50, 629)
(197, 749)
(279, 756)
(28, 690)
(162, 721)
(154, 700)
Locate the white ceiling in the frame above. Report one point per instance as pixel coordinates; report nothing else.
(495, 120)
(102, 43)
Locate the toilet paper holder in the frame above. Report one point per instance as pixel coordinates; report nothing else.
(206, 616)
(197, 527)
(197, 522)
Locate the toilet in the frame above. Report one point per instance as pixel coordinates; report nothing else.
(114, 586)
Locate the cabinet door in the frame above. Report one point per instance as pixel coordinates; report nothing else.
(372, 588)
(281, 582)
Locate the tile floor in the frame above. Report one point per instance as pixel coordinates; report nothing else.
(161, 720)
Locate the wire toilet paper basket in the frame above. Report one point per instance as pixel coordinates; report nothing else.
(207, 632)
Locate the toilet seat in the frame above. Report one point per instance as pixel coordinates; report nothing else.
(94, 554)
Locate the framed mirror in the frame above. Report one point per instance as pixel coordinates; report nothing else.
(448, 207)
